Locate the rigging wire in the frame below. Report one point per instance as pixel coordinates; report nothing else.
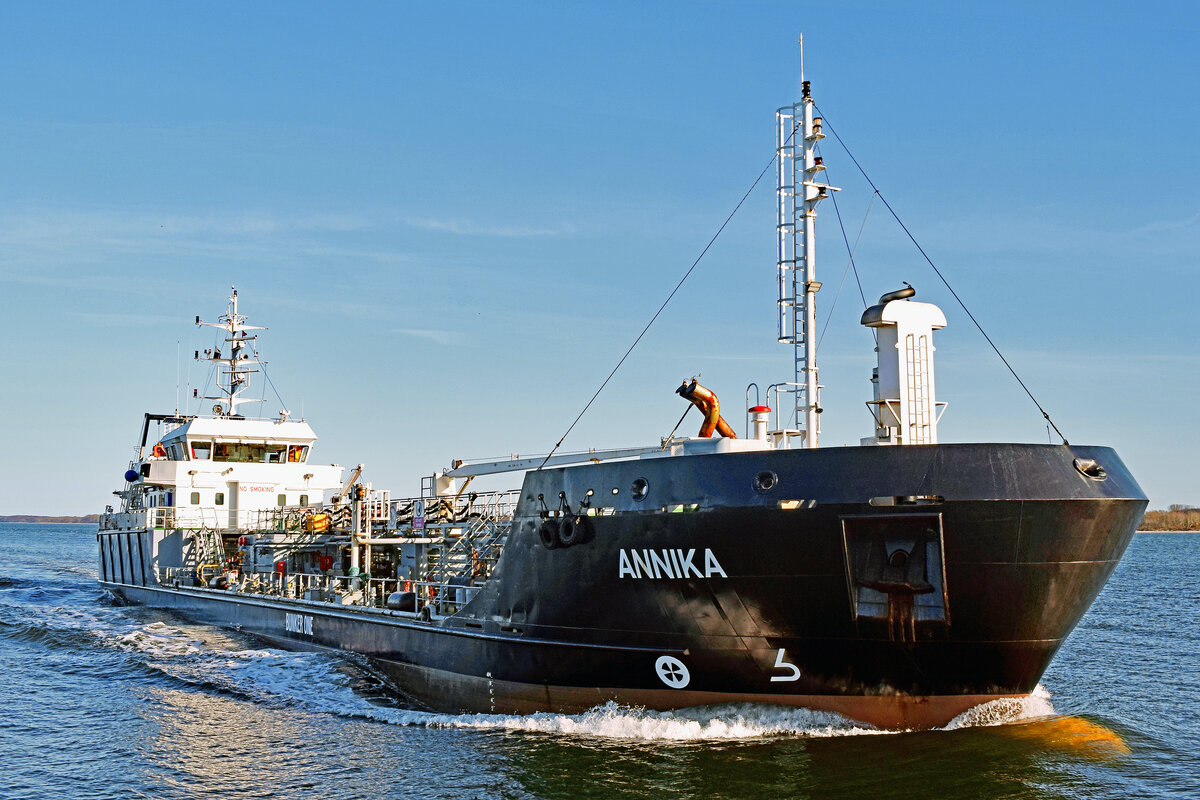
(837, 210)
(938, 272)
(849, 265)
(263, 365)
(686, 275)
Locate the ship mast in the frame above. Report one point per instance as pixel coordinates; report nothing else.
(234, 369)
(797, 194)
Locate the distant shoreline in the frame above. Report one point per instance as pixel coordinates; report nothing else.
(1176, 519)
(42, 520)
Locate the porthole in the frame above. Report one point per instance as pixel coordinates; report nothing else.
(765, 481)
(616, 490)
(640, 488)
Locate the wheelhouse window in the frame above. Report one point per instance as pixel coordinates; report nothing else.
(297, 453)
(201, 451)
(238, 452)
(248, 453)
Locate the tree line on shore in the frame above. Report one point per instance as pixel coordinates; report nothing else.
(1175, 518)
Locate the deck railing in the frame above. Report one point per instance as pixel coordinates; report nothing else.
(431, 599)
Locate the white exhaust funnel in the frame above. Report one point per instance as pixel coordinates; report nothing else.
(905, 406)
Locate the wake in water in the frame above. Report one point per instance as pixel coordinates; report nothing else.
(200, 657)
(1005, 711)
(721, 722)
(703, 723)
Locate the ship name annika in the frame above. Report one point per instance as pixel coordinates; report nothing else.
(667, 563)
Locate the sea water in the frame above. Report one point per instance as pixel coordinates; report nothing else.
(101, 701)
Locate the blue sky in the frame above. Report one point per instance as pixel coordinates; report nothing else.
(454, 219)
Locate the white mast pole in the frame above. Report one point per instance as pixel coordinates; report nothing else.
(811, 424)
(798, 192)
(234, 382)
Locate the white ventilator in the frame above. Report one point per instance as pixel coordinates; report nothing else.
(905, 405)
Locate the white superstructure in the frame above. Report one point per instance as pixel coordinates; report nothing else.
(224, 472)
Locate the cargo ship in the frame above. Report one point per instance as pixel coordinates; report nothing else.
(899, 582)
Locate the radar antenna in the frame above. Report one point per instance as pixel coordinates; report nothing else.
(235, 365)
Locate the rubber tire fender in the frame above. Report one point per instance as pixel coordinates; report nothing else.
(548, 533)
(568, 531)
(575, 530)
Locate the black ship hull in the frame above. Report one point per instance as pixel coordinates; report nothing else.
(899, 586)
